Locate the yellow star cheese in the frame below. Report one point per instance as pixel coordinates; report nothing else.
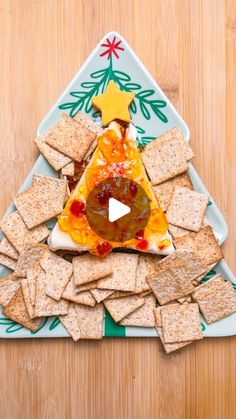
(114, 104)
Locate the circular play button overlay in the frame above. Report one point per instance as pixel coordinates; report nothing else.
(117, 209)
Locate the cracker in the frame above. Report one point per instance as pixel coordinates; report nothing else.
(177, 232)
(86, 287)
(146, 264)
(8, 287)
(31, 283)
(203, 243)
(143, 316)
(71, 322)
(7, 249)
(88, 122)
(122, 307)
(181, 323)
(170, 347)
(216, 298)
(177, 139)
(124, 266)
(165, 190)
(89, 268)
(70, 137)
(90, 321)
(58, 272)
(18, 234)
(157, 316)
(185, 263)
(187, 209)
(43, 201)
(8, 262)
(56, 159)
(27, 297)
(84, 297)
(101, 295)
(28, 257)
(187, 299)
(69, 169)
(16, 311)
(44, 305)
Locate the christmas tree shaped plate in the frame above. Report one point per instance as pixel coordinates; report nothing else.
(153, 115)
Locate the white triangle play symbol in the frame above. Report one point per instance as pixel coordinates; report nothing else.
(116, 210)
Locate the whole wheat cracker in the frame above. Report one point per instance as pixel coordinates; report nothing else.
(7, 249)
(88, 122)
(43, 201)
(8, 262)
(71, 322)
(101, 267)
(18, 234)
(165, 190)
(122, 307)
(146, 264)
(69, 169)
(90, 321)
(16, 310)
(58, 272)
(30, 275)
(171, 347)
(143, 316)
(27, 297)
(8, 287)
(84, 297)
(31, 254)
(101, 295)
(124, 266)
(181, 323)
(187, 208)
(216, 298)
(56, 159)
(70, 137)
(85, 287)
(202, 243)
(176, 138)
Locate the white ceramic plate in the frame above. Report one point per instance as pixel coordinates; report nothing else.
(153, 114)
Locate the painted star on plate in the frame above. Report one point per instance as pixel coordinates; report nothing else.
(113, 103)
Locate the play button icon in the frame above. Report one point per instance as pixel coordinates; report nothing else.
(116, 210)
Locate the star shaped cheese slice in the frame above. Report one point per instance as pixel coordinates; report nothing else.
(114, 104)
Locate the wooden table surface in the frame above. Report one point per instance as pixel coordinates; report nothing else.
(189, 46)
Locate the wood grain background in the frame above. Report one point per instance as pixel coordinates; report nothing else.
(190, 48)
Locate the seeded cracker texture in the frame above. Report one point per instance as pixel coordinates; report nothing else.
(58, 272)
(7, 249)
(101, 295)
(28, 257)
(122, 307)
(181, 323)
(69, 169)
(82, 268)
(31, 283)
(71, 322)
(187, 209)
(16, 311)
(216, 298)
(165, 190)
(124, 266)
(146, 264)
(8, 262)
(8, 287)
(143, 316)
(203, 243)
(176, 138)
(88, 122)
(70, 137)
(18, 234)
(27, 298)
(43, 201)
(84, 297)
(90, 321)
(56, 159)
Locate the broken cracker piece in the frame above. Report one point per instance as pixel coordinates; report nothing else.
(143, 316)
(165, 190)
(69, 169)
(122, 307)
(124, 266)
(101, 267)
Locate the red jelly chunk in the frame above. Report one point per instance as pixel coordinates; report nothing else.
(104, 248)
(142, 245)
(78, 208)
(133, 189)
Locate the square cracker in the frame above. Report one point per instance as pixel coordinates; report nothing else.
(89, 268)
(143, 316)
(71, 322)
(69, 169)
(171, 347)
(44, 305)
(8, 262)
(90, 321)
(43, 201)
(8, 287)
(70, 137)
(177, 139)
(30, 275)
(202, 243)
(162, 161)
(165, 190)
(146, 264)
(101, 295)
(181, 323)
(56, 159)
(122, 307)
(18, 234)
(28, 257)
(58, 272)
(7, 249)
(16, 310)
(216, 298)
(88, 122)
(124, 266)
(187, 209)
(84, 297)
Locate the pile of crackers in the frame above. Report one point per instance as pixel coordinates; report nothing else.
(141, 290)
